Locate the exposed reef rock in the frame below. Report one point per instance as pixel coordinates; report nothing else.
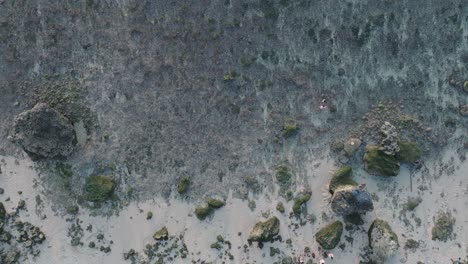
(329, 236)
(99, 188)
(265, 231)
(382, 240)
(409, 152)
(342, 177)
(44, 132)
(377, 162)
(351, 146)
(161, 234)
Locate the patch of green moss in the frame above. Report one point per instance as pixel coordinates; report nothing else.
(99, 188)
(409, 152)
(341, 177)
(290, 130)
(203, 211)
(229, 76)
(379, 163)
(183, 185)
(280, 207)
(299, 201)
(329, 236)
(443, 227)
(215, 203)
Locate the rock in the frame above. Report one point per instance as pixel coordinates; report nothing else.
(265, 231)
(98, 188)
(92, 244)
(389, 140)
(409, 152)
(11, 257)
(443, 226)
(412, 203)
(183, 185)
(376, 162)
(382, 240)
(44, 132)
(464, 110)
(280, 207)
(21, 204)
(351, 146)
(329, 236)
(216, 246)
(341, 177)
(411, 244)
(3, 215)
(161, 234)
(299, 201)
(203, 211)
(465, 86)
(287, 260)
(215, 203)
(348, 200)
(149, 215)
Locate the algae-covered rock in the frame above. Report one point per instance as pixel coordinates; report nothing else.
(382, 240)
(215, 203)
(203, 211)
(183, 185)
(351, 145)
(2, 215)
(329, 236)
(376, 162)
(283, 176)
(44, 132)
(299, 201)
(465, 86)
(280, 207)
(99, 188)
(409, 152)
(290, 130)
(443, 226)
(265, 231)
(161, 234)
(349, 200)
(341, 177)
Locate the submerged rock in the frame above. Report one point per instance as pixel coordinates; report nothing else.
(389, 141)
(98, 188)
(329, 236)
(382, 240)
(376, 162)
(341, 177)
(351, 145)
(161, 234)
(409, 152)
(349, 200)
(265, 231)
(44, 132)
(443, 226)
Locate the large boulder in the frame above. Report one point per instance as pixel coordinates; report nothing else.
(389, 140)
(265, 231)
(377, 162)
(347, 200)
(382, 240)
(329, 236)
(44, 132)
(342, 177)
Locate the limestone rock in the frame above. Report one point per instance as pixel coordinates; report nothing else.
(265, 231)
(341, 177)
(348, 200)
(329, 236)
(44, 132)
(382, 240)
(161, 234)
(376, 162)
(351, 145)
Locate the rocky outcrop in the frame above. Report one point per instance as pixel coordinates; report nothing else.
(351, 145)
(377, 162)
(301, 199)
(99, 188)
(44, 132)
(347, 200)
(342, 177)
(265, 231)
(329, 236)
(382, 240)
(161, 234)
(409, 152)
(443, 227)
(389, 141)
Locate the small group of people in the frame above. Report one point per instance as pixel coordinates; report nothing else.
(323, 104)
(322, 255)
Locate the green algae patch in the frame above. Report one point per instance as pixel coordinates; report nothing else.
(376, 162)
(290, 130)
(329, 236)
(409, 152)
(99, 188)
(299, 201)
(341, 177)
(183, 185)
(203, 212)
(215, 203)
